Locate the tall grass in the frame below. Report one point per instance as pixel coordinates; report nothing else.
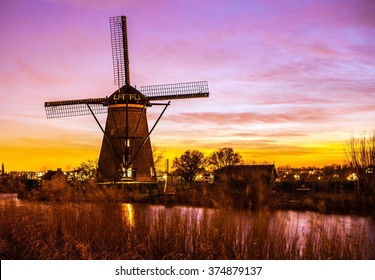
(116, 231)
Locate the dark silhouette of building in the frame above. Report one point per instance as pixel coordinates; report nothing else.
(244, 176)
(54, 179)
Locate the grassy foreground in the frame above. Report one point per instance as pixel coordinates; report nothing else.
(115, 231)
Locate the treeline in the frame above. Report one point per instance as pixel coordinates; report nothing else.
(193, 162)
(189, 165)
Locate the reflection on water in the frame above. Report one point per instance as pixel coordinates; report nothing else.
(192, 227)
(301, 222)
(305, 222)
(323, 227)
(128, 213)
(6, 198)
(291, 224)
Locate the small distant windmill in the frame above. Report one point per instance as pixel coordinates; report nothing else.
(126, 153)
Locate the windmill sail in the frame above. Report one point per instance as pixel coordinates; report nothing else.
(119, 41)
(176, 91)
(78, 107)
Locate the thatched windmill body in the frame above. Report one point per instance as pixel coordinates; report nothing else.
(126, 154)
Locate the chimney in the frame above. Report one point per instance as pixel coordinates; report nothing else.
(167, 166)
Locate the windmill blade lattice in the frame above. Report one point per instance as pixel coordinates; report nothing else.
(176, 91)
(71, 108)
(119, 41)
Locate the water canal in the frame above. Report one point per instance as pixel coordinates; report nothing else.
(191, 232)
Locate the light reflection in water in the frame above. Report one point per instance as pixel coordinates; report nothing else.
(127, 210)
(294, 225)
(9, 198)
(297, 227)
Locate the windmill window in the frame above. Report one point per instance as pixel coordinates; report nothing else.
(128, 173)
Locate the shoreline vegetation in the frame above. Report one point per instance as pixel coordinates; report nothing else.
(98, 231)
(211, 195)
(89, 221)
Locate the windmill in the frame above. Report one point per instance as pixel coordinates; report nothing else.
(126, 154)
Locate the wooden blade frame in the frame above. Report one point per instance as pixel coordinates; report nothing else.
(176, 91)
(71, 108)
(120, 56)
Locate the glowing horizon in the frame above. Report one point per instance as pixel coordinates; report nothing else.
(289, 83)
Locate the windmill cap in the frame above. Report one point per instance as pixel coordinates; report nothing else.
(128, 95)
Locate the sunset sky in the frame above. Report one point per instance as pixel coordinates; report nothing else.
(290, 81)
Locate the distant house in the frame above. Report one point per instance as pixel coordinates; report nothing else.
(54, 179)
(250, 185)
(243, 176)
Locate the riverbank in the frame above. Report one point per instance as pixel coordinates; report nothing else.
(210, 196)
(74, 231)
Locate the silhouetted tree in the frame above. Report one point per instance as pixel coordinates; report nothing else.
(158, 156)
(190, 164)
(360, 153)
(224, 157)
(85, 171)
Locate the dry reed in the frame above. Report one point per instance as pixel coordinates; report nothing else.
(115, 231)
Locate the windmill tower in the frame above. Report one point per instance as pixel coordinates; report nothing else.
(126, 153)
